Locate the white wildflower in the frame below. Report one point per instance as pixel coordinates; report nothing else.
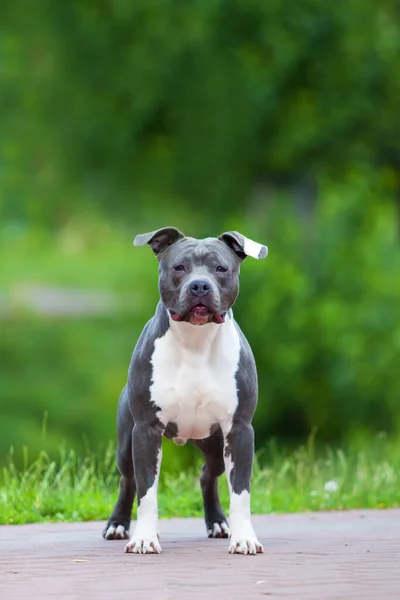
(331, 486)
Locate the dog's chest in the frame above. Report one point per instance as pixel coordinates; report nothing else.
(194, 377)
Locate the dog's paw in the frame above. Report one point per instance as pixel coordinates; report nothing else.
(216, 523)
(116, 531)
(147, 544)
(218, 529)
(243, 538)
(251, 545)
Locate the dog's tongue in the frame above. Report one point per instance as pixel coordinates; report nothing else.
(200, 308)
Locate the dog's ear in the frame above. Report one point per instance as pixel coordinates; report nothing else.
(243, 246)
(160, 239)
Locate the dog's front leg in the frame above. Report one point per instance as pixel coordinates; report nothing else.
(239, 456)
(146, 450)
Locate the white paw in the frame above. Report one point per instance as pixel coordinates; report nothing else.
(245, 546)
(218, 530)
(116, 533)
(146, 544)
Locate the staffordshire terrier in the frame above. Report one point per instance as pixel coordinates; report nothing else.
(192, 377)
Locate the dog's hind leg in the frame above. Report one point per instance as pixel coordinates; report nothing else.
(213, 450)
(117, 527)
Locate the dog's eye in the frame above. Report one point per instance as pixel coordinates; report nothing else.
(179, 268)
(221, 269)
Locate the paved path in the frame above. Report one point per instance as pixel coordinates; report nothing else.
(321, 556)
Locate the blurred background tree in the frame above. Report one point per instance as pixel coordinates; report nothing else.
(275, 118)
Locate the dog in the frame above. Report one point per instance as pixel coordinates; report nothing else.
(192, 377)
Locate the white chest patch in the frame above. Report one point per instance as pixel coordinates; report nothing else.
(194, 380)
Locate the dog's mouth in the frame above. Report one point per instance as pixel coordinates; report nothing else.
(200, 309)
(199, 314)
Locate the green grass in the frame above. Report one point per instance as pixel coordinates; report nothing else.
(73, 489)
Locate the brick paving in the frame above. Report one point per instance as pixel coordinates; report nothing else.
(322, 556)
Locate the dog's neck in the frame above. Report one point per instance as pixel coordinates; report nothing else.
(197, 337)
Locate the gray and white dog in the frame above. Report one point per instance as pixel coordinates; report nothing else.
(192, 377)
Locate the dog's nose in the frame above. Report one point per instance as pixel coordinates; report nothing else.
(200, 288)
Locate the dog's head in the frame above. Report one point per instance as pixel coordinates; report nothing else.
(199, 279)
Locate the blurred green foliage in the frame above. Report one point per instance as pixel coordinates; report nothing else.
(129, 104)
(273, 118)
